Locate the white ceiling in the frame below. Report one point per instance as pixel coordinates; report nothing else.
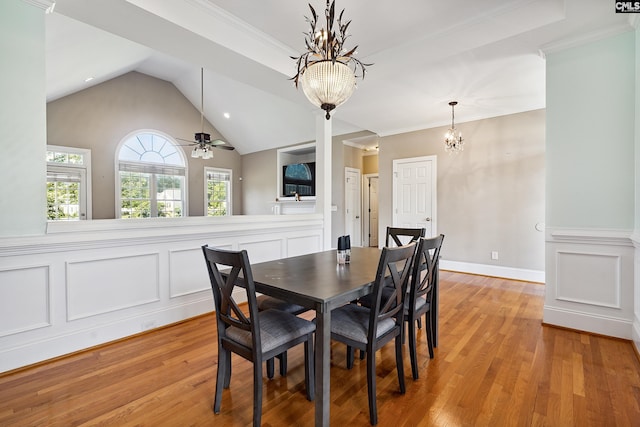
(487, 55)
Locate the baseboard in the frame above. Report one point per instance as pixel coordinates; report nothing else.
(588, 322)
(635, 337)
(55, 346)
(494, 271)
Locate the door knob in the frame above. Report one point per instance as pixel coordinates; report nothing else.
(428, 219)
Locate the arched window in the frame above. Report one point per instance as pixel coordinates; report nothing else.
(151, 177)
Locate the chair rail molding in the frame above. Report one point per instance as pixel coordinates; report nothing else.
(590, 280)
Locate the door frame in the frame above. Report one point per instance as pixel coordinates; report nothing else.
(346, 203)
(434, 188)
(366, 208)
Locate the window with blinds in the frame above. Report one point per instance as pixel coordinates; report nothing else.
(218, 188)
(68, 183)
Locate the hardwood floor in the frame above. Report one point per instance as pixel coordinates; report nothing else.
(496, 365)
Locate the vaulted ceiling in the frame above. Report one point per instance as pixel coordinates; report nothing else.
(488, 55)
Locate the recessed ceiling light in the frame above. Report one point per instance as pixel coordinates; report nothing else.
(88, 79)
(226, 115)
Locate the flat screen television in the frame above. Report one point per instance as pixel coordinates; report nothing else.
(299, 178)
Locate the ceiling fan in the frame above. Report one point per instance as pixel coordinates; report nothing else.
(202, 141)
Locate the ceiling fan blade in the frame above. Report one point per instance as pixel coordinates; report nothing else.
(224, 147)
(218, 143)
(189, 141)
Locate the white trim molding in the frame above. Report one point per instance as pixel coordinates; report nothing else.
(635, 333)
(590, 280)
(46, 5)
(525, 275)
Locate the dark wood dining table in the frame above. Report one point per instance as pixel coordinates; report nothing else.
(318, 282)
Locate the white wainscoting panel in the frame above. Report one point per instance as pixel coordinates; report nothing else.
(588, 278)
(24, 299)
(303, 245)
(85, 283)
(187, 272)
(263, 250)
(100, 286)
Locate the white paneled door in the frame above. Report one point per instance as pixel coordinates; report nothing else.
(414, 193)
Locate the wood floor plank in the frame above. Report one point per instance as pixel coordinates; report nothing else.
(496, 365)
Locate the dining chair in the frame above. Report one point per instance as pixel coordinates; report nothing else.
(419, 302)
(401, 236)
(370, 329)
(257, 338)
(266, 302)
(398, 236)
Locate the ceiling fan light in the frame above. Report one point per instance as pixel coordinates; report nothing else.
(195, 153)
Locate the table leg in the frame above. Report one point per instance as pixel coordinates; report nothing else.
(322, 367)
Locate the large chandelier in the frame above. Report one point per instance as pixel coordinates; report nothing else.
(327, 70)
(453, 142)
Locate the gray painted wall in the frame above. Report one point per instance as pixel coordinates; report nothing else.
(490, 196)
(259, 182)
(99, 118)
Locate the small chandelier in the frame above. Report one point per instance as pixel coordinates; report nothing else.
(324, 70)
(453, 142)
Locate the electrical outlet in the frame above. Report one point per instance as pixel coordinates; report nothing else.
(494, 255)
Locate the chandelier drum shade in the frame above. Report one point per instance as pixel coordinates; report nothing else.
(327, 70)
(328, 84)
(453, 142)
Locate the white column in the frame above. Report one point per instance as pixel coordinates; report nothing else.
(323, 175)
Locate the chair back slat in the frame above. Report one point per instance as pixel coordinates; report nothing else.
(237, 273)
(231, 313)
(425, 268)
(402, 236)
(393, 273)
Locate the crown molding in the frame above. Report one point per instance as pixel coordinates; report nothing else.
(46, 5)
(363, 142)
(583, 39)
